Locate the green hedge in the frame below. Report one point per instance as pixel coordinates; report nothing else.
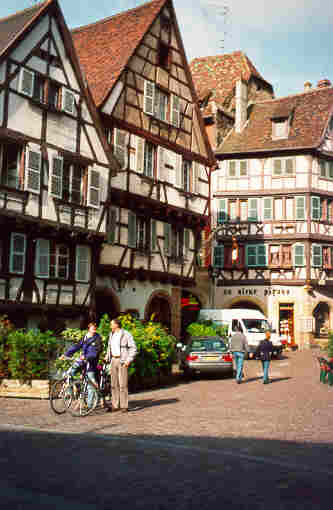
(207, 328)
(330, 345)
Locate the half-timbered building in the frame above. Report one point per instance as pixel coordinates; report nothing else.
(272, 204)
(139, 77)
(55, 168)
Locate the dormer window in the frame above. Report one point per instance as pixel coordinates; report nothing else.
(280, 128)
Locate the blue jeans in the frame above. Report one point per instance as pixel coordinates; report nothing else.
(91, 389)
(239, 362)
(265, 367)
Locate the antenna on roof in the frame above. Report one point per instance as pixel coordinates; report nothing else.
(222, 16)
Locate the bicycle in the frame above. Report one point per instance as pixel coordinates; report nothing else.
(72, 395)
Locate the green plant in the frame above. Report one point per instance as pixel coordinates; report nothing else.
(29, 354)
(206, 328)
(5, 328)
(330, 345)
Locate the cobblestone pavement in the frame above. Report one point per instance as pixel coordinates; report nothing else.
(196, 444)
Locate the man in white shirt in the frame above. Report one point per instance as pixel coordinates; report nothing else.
(121, 352)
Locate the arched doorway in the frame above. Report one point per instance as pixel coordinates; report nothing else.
(159, 307)
(106, 302)
(246, 304)
(321, 314)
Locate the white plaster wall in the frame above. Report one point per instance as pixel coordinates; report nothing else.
(61, 131)
(37, 64)
(57, 74)
(85, 112)
(66, 62)
(24, 117)
(96, 143)
(113, 98)
(31, 39)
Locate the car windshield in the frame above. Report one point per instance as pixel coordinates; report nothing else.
(256, 325)
(208, 345)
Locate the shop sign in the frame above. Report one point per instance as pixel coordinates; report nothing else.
(246, 291)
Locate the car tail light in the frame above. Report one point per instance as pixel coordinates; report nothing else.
(227, 357)
(191, 357)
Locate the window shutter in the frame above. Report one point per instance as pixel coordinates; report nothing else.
(33, 164)
(153, 236)
(42, 260)
(67, 101)
(131, 230)
(139, 154)
(113, 216)
(82, 269)
(315, 208)
(187, 234)
(299, 255)
(290, 166)
(322, 168)
(277, 167)
(262, 255)
(317, 255)
(243, 168)
(222, 213)
(56, 177)
(93, 198)
(26, 83)
(300, 208)
(232, 168)
(175, 110)
(218, 258)
(195, 177)
(120, 144)
(251, 255)
(17, 253)
(161, 170)
(149, 97)
(167, 238)
(253, 209)
(179, 171)
(268, 208)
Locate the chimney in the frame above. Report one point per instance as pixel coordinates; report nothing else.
(324, 83)
(307, 86)
(241, 105)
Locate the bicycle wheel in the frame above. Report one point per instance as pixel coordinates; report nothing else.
(57, 394)
(78, 395)
(106, 393)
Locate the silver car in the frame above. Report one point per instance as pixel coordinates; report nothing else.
(205, 355)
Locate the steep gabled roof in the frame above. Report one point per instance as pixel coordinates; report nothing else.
(219, 74)
(12, 26)
(308, 114)
(105, 47)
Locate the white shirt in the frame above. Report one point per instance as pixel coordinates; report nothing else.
(115, 343)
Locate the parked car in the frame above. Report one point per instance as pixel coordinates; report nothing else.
(205, 355)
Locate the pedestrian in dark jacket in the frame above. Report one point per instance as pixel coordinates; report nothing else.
(264, 353)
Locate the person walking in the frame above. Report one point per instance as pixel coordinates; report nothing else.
(239, 347)
(264, 352)
(121, 352)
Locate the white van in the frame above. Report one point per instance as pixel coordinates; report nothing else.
(252, 323)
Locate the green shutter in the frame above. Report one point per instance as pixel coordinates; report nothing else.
(299, 258)
(300, 208)
(277, 167)
(153, 235)
(131, 230)
(268, 208)
(253, 209)
(222, 214)
(167, 238)
(111, 234)
(290, 166)
(17, 253)
(42, 258)
(251, 255)
(82, 269)
(218, 259)
(317, 255)
(243, 168)
(261, 255)
(315, 208)
(232, 168)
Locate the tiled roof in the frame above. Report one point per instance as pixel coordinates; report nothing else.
(220, 73)
(309, 114)
(12, 26)
(105, 47)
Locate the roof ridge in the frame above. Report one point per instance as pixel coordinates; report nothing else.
(297, 94)
(32, 8)
(109, 18)
(239, 52)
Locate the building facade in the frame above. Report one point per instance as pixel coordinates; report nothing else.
(55, 174)
(141, 84)
(272, 199)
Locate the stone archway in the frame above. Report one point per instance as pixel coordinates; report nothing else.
(106, 302)
(159, 305)
(321, 314)
(250, 302)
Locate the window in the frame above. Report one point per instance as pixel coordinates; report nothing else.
(315, 208)
(52, 259)
(21, 169)
(149, 160)
(186, 174)
(325, 169)
(238, 168)
(54, 95)
(26, 82)
(113, 225)
(280, 255)
(17, 253)
(11, 163)
(328, 257)
(120, 146)
(268, 208)
(278, 209)
(317, 255)
(39, 88)
(243, 210)
(299, 255)
(218, 258)
(280, 128)
(141, 232)
(300, 208)
(157, 103)
(161, 105)
(163, 56)
(82, 263)
(285, 166)
(253, 209)
(222, 212)
(274, 255)
(174, 242)
(72, 183)
(256, 255)
(233, 210)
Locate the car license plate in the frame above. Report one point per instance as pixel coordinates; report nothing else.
(211, 358)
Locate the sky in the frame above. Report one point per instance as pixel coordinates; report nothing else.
(289, 41)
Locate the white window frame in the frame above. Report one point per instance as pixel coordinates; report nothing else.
(93, 187)
(297, 208)
(239, 171)
(296, 245)
(314, 256)
(30, 92)
(284, 164)
(120, 146)
(280, 128)
(267, 216)
(42, 251)
(315, 208)
(56, 177)
(32, 171)
(65, 106)
(57, 255)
